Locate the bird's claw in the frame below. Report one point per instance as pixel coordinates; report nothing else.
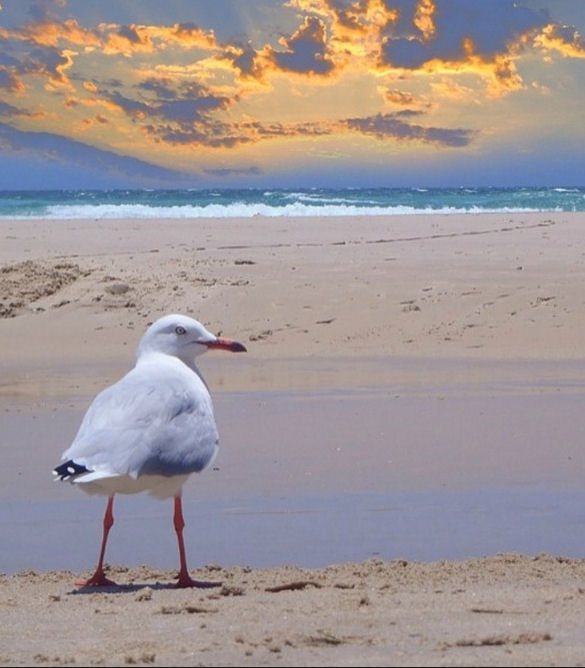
(184, 581)
(96, 580)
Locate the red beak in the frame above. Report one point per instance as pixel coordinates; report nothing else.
(227, 344)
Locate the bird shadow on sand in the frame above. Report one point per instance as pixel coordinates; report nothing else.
(139, 586)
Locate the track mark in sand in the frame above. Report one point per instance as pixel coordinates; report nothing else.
(24, 283)
(527, 638)
(422, 237)
(186, 609)
(325, 638)
(292, 586)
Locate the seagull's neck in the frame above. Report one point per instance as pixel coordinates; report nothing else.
(190, 363)
(147, 356)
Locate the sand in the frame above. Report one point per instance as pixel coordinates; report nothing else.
(399, 480)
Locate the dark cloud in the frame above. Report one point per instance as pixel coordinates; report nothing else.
(22, 59)
(228, 172)
(391, 126)
(348, 13)
(162, 88)
(9, 109)
(212, 134)
(8, 59)
(8, 81)
(412, 53)
(491, 25)
(188, 111)
(52, 151)
(42, 10)
(128, 105)
(129, 33)
(47, 59)
(184, 104)
(306, 50)
(245, 59)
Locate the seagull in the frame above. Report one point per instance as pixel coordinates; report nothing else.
(151, 430)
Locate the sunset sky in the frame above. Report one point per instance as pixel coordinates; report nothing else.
(291, 93)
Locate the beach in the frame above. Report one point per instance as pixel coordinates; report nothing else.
(400, 471)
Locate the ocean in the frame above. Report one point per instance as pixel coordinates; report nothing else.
(245, 203)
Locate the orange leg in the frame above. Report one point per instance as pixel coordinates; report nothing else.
(184, 579)
(98, 579)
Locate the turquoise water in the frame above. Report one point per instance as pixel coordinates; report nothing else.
(301, 202)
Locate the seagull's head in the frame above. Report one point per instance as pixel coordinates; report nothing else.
(183, 337)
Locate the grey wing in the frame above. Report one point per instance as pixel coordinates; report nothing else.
(140, 426)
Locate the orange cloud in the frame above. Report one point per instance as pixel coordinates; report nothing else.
(52, 34)
(148, 38)
(90, 103)
(61, 69)
(563, 39)
(10, 81)
(246, 61)
(188, 36)
(400, 98)
(112, 37)
(126, 39)
(355, 31)
(179, 86)
(423, 18)
(369, 36)
(449, 88)
(498, 70)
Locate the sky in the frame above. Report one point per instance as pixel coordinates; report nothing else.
(291, 93)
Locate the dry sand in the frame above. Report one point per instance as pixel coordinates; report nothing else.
(431, 354)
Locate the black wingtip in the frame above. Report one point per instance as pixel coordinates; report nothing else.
(69, 469)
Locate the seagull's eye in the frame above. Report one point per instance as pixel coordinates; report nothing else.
(180, 330)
